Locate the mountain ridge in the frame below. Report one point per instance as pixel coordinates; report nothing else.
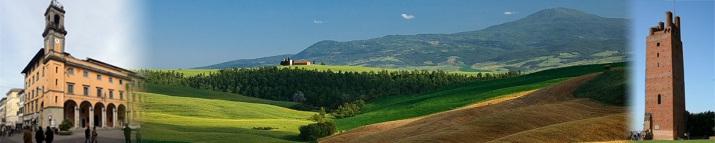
(483, 49)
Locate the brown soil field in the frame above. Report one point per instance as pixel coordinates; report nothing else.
(529, 118)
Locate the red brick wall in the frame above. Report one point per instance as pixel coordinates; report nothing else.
(664, 77)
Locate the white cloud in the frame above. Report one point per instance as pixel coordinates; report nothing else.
(108, 31)
(318, 21)
(510, 12)
(407, 16)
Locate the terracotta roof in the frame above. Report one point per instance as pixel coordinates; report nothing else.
(34, 60)
(14, 89)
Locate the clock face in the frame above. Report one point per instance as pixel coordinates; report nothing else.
(57, 40)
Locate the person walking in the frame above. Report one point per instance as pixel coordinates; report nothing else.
(27, 135)
(138, 136)
(86, 135)
(638, 136)
(94, 135)
(49, 135)
(127, 134)
(39, 135)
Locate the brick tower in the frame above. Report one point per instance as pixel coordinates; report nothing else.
(664, 85)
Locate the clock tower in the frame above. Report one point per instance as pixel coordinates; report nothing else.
(54, 34)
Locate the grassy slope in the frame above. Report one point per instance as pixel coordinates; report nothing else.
(550, 114)
(612, 82)
(191, 92)
(443, 99)
(177, 118)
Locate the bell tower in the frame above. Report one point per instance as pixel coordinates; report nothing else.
(664, 83)
(54, 33)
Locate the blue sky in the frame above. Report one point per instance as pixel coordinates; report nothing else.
(187, 34)
(107, 30)
(697, 34)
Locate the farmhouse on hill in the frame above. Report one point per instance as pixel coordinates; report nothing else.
(289, 62)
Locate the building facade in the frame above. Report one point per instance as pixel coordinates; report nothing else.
(664, 84)
(60, 87)
(2, 111)
(13, 116)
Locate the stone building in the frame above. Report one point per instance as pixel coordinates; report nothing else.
(60, 87)
(13, 116)
(2, 111)
(664, 85)
(290, 62)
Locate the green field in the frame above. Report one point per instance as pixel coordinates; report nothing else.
(208, 94)
(182, 117)
(447, 98)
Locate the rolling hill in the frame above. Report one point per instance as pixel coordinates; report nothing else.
(550, 38)
(550, 114)
(392, 108)
(179, 114)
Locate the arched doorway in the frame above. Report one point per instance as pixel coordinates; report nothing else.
(98, 115)
(84, 109)
(110, 114)
(121, 115)
(69, 111)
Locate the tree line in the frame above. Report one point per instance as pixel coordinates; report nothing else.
(318, 88)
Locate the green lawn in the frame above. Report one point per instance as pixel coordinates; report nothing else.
(177, 118)
(447, 98)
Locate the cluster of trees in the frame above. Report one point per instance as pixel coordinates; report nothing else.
(317, 88)
(324, 127)
(701, 124)
(312, 132)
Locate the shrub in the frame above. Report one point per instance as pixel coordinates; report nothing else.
(320, 117)
(66, 125)
(264, 128)
(348, 109)
(302, 107)
(312, 132)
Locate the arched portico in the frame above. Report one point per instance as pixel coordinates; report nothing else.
(111, 115)
(99, 115)
(86, 111)
(121, 115)
(70, 112)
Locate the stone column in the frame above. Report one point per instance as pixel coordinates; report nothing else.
(76, 117)
(91, 118)
(104, 117)
(114, 113)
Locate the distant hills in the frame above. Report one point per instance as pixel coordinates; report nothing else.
(549, 38)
